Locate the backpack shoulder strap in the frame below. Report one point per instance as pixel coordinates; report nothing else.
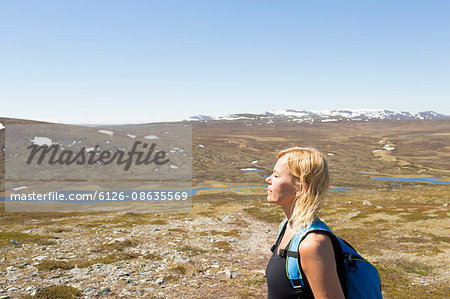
(293, 265)
(280, 230)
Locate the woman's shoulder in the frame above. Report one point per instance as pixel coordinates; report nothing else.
(315, 245)
(319, 265)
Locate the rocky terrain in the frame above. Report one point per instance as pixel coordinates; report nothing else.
(204, 254)
(220, 248)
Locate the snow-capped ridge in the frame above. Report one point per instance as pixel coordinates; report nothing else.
(200, 118)
(293, 115)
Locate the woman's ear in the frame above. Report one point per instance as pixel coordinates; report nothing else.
(305, 186)
(302, 188)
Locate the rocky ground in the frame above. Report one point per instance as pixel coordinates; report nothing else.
(220, 249)
(190, 255)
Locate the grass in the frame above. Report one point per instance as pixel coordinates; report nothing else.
(413, 267)
(231, 233)
(178, 269)
(191, 251)
(365, 241)
(118, 221)
(171, 278)
(57, 292)
(396, 283)
(29, 218)
(407, 237)
(107, 259)
(177, 230)
(393, 231)
(49, 265)
(125, 220)
(221, 245)
(256, 282)
(432, 237)
(240, 222)
(131, 219)
(421, 215)
(152, 257)
(270, 215)
(158, 222)
(206, 213)
(115, 246)
(426, 250)
(6, 237)
(61, 230)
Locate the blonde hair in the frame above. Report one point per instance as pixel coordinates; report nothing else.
(310, 174)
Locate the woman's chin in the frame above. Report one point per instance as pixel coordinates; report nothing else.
(271, 200)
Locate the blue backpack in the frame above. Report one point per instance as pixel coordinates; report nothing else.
(358, 277)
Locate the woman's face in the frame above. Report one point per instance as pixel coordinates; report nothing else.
(281, 189)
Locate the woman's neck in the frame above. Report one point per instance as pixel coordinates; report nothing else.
(287, 211)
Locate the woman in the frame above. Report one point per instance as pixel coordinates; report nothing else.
(297, 184)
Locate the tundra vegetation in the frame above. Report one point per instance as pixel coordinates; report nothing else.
(220, 248)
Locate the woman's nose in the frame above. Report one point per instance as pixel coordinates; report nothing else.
(268, 179)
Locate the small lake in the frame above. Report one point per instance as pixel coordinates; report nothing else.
(251, 170)
(233, 188)
(431, 181)
(237, 188)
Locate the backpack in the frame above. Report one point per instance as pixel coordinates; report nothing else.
(358, 277)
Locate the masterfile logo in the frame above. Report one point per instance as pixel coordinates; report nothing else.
(141, 168)
(68, 157)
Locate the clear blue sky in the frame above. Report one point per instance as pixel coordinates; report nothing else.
(135, 61)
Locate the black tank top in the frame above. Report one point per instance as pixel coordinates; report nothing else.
(278, 284)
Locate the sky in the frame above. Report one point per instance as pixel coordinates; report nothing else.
(109, 61)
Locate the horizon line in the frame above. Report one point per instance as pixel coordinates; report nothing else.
(142, 120)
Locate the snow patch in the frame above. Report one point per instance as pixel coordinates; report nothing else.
(38, 140)
(107, 132)
(250, 169)
(289, 112)
(232, 118)
(200, 118)
(151, 137)
(90, 149)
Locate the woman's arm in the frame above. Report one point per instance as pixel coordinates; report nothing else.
(319, 265)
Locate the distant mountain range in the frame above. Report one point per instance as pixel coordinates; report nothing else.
(289, 115)
(321, 116)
